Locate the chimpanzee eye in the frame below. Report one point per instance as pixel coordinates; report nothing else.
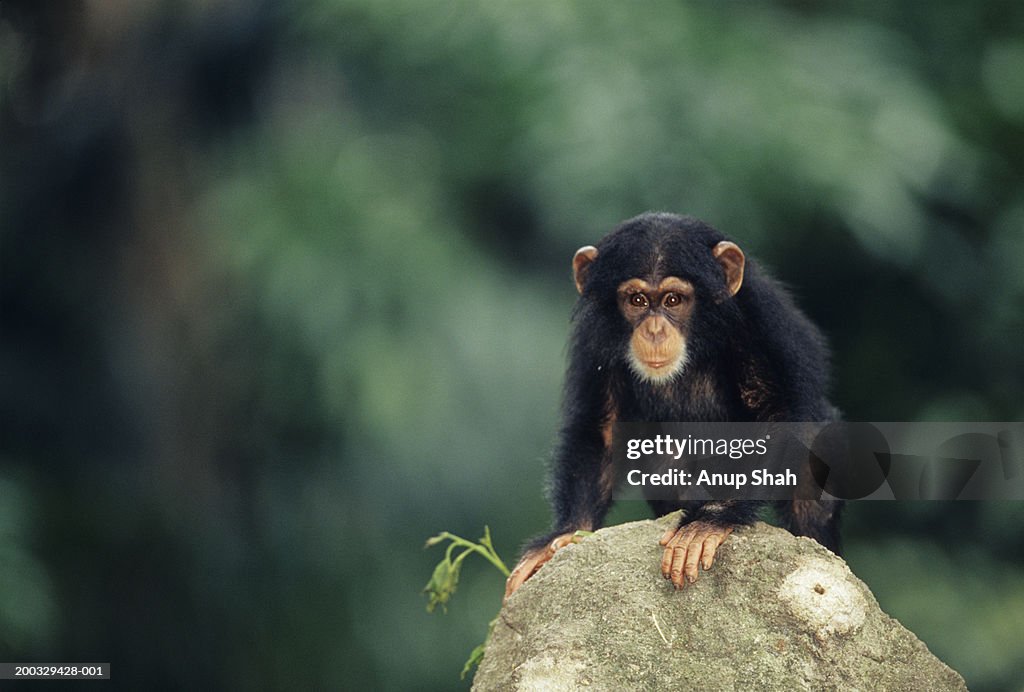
(672, 300)
(638, 300)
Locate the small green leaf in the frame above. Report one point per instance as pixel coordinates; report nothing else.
(475, 656)
(442, 585)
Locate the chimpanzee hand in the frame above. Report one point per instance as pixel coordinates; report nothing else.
(533, 560)
(687, 547)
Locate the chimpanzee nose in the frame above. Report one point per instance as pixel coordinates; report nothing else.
(656, 331)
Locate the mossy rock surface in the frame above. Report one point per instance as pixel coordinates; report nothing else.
(775, 612)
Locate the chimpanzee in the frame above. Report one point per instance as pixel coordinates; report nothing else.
(673, 323)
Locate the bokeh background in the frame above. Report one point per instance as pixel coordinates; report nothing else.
(285, 290)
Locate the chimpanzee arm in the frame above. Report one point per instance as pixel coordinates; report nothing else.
(582, 476)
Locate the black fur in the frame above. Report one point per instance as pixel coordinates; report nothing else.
(751, 357)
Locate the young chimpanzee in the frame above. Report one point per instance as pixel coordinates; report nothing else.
(673, 323)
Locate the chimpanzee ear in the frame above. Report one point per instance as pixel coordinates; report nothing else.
(732, 260)
(580, 263)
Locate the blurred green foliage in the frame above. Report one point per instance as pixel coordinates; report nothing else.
(285, 290)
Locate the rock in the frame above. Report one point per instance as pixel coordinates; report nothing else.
(775, 612)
